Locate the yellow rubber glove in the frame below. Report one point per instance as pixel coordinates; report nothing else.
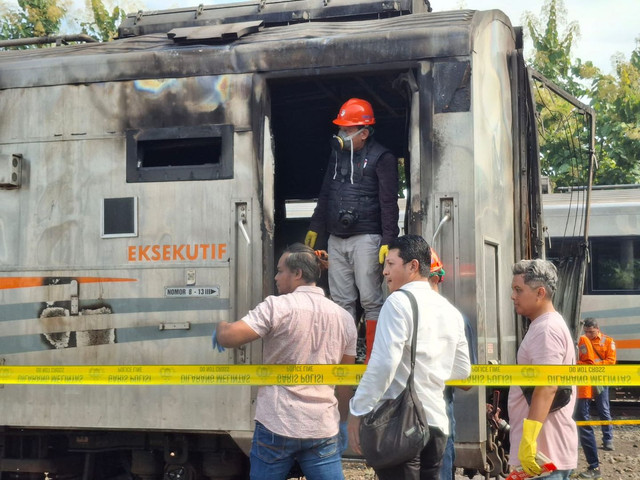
(310, 239)
(384, 249)
(529, 447)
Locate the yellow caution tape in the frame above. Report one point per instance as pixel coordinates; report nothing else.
(535, 375)
(490, 375)
(607, 422)
(183, 375)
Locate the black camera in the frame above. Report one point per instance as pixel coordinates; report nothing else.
(348, 217)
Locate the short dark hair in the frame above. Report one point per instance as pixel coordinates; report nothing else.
(413, 247)
(590, 323)
(303, 258)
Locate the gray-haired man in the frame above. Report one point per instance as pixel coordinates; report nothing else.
(300, 326)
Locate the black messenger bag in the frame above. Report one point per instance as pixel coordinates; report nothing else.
(397, 431)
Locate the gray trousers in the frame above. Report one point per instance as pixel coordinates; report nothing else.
(354, 267)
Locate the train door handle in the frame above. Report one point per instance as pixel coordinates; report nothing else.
(242, 220)
(447, 213)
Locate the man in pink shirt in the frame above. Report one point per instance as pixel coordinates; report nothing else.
(301, 326)
(536, 427)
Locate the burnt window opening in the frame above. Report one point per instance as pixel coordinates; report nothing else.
(119, 217)
(204, 152)
(179, 152)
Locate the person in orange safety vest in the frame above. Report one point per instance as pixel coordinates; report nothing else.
(594, 348)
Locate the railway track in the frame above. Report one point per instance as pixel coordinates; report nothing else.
(625, 403)
(625, 410)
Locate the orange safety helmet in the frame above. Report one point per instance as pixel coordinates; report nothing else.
(355, 112)
(436, 266)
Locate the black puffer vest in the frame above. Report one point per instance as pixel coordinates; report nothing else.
(354, 208)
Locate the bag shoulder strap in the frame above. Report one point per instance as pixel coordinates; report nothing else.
(414, 337)
(603, 342)
(599, 356)
(590, 348)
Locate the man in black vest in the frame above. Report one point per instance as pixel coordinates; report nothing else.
(358, 207)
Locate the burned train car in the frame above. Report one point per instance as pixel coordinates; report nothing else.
(145, 186)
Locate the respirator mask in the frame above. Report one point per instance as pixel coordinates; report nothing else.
(343, 141)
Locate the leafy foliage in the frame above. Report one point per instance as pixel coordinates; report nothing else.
(616, 100)
(33, 18)
(104, 25)
(36, 18)
(564, 139)
(616, 275)
(552, 51)
(564, 146)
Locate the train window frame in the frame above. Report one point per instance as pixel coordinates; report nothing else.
(191, 140)
(122, 211)
(561, 246)
(609, 243)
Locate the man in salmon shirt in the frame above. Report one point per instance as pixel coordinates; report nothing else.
(297, 423)
(594, 348)
(537, 427)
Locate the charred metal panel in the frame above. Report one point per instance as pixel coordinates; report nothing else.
(108, 110)
(452, 82)
(57, 339)
(214, 33)
(75, 157)
(192, 101)
(296, 47)
(470, 176)
(270, 12)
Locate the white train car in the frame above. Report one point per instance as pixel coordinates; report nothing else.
(143, 190)
(612, 287)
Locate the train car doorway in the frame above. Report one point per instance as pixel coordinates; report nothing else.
(302, 111)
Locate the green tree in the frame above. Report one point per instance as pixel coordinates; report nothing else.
(552, 49)
(104, 25)
(615, 98)
(564, 140)
(33, 18)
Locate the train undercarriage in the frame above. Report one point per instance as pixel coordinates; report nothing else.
(89, 455)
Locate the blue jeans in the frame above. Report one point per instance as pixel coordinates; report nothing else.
(602, 405)
(446, 468)
(273, 455)
(586, 434)
(559, 475)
